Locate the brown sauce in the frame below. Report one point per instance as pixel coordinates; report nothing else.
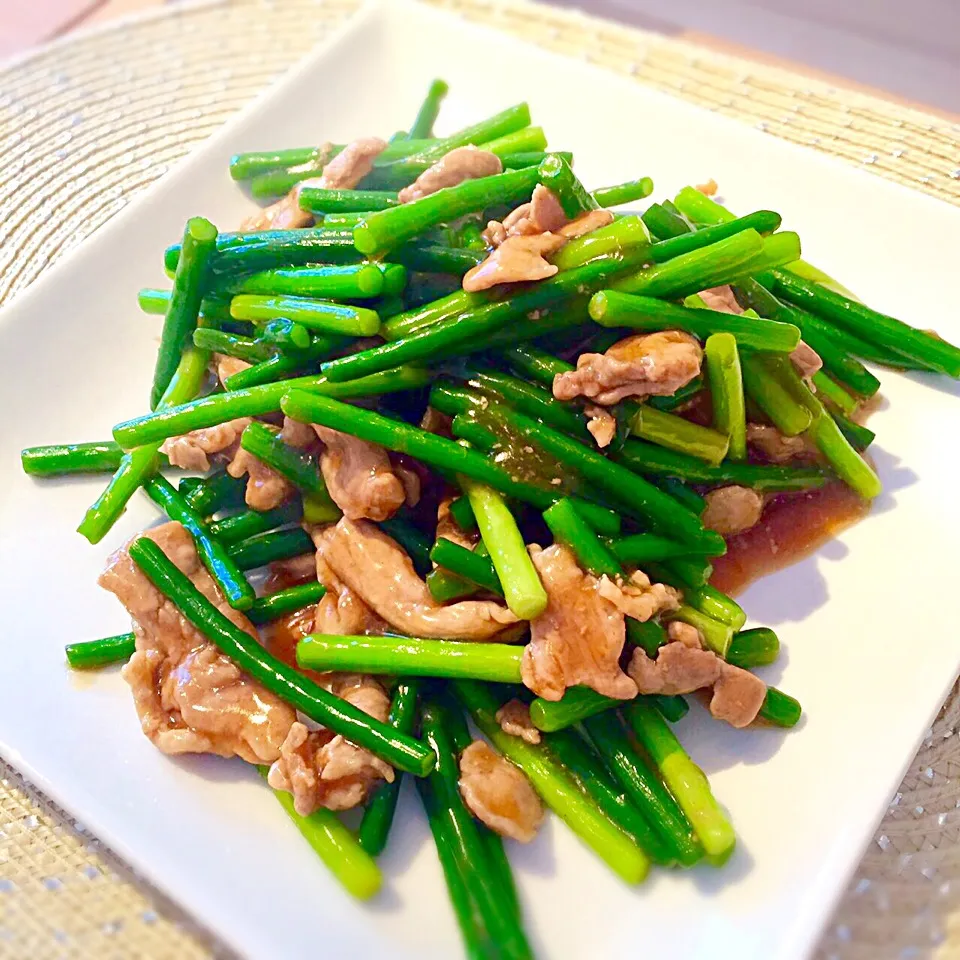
(791, 528)
(281, 637)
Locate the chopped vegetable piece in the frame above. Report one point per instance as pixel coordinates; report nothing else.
(63, 459)
(181, 416)
(468, 564)
(330, 282)
(199, 246)
(753, 648)
(378, 817)
(315, 314)
(336, 846)
(522, 588)
(214, 555)
(279, 604)
(558, 176)
(411, 656)
(264, 548)
(684, 778)
(427, 114)
(577, 704)
(626, 192)
(384, 230)
(100, 653)
(726, 390)
(141, 462)
(613, 309)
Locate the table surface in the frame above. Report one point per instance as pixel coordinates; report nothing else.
(910, 51)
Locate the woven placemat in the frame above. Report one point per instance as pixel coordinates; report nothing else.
(87, 123)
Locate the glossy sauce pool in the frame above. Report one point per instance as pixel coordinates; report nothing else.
(791, 528)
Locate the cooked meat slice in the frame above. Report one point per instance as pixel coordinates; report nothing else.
(297, 434)
(542, 214)
(602, 424)
(806, 360)
(498, 793)
(731, 510)
(721, 299)
(708, 189)
(514, 718)
(352, 164)
(643, 365)
(578, 638)
(321, 769)
(359, 476)
(677, 669)
(410, 480)
(685, 633)
(379, 571)
(495, 233)
(228, 366)
(638, 597)
(433, 421)
(193, 450)
(343, 172)
(266, 489)
(284, 214)
(340, 610)
(586, 223)
(516, 259)
(774, 447)
(737, 696)
(461, 163)
(189, 696)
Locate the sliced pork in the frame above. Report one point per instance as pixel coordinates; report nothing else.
(498, 793)
(321, 769)
(461, 163)
(731, 510)
(516, 259)
(514, 718)
(646, 364)
(359, 476)
(189, 696)
(378, 571)
(193, 450)
(578, 638)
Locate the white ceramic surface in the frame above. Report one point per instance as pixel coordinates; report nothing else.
(867, 649)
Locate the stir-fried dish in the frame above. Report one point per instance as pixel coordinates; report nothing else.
(469, 454)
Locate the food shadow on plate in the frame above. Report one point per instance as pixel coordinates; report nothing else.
(792, 594)
(217, 769)
(895, 475)
(716, 746)
(539, 856)
(934, 381)
(710, 880)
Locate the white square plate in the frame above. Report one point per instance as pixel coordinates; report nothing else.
(862, 621)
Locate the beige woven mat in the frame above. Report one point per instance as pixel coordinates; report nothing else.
(86, 124)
